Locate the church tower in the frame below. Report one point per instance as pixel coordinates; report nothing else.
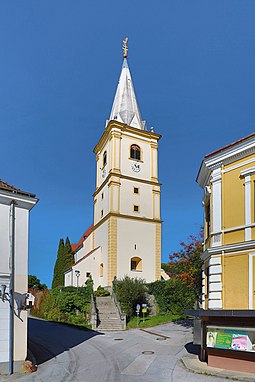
(127, 222)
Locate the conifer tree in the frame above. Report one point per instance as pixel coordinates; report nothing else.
(58, 278)
(69, 258)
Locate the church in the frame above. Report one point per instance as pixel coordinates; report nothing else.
(125, 237)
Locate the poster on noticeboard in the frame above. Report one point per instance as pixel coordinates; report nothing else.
(229, 339)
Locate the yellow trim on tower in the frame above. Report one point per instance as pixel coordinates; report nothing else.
(158, 252)
(112, 249)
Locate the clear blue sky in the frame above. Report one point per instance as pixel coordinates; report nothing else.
(193, 67)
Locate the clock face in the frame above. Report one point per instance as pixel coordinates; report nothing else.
(103, 172)
(136, 167)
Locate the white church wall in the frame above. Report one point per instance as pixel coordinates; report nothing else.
(87, 245)
(142, 236)
(90, 265)
(102, 203)
(101, 240)
(129, 199)
(69, 278)
(103, 170)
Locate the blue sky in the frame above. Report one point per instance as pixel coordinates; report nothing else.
(193, 67)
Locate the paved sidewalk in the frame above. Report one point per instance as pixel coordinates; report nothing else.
(192, 363)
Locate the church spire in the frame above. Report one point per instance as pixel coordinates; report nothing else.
(125, 107)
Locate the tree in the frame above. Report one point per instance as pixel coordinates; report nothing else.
(58, 277)
(186, 264)
(69, 258)
(34, 283)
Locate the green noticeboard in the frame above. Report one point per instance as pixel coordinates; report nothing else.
(223, 340)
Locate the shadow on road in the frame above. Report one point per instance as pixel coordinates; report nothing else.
(48, 339)
(186, 322)
(192, 349)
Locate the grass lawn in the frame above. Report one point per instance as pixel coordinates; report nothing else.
(152, 321)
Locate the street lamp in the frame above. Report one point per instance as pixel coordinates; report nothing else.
(77, 274)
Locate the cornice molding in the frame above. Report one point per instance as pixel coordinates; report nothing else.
(122, 128)
(245, 245)
(121, 176)
(122, 216)
(22, 201)
(224, 157)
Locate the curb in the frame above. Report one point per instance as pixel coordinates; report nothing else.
(193, 364)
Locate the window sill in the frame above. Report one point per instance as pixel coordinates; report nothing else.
(136, 160)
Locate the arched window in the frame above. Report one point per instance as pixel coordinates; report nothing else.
(135, 152)
(104, 158)
(136, 264)
(101, 270)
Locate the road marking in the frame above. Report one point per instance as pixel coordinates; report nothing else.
(140, 365)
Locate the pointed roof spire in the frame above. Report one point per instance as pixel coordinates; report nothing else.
(125, 107)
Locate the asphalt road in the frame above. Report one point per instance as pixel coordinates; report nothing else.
(68, 354)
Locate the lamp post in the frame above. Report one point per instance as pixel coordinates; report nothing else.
(77, 274)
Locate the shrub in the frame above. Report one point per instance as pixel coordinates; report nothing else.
(130, 292)
(173, 296)
(71, 305)
(101, 292)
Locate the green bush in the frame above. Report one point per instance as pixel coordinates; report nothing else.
(71, 305)
(130, 292)
(101, 292)
(173, 296)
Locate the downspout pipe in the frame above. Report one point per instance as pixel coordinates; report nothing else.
(12, 285)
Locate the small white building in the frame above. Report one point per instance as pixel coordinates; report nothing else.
(125, 238)
(14, 230)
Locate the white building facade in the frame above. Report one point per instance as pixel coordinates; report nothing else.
(125, 238)
(14, 230)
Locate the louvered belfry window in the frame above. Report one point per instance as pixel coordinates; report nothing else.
(135, 152)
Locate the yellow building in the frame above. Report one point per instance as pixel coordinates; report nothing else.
(227, 177)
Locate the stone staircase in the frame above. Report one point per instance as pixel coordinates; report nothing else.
(109, 319)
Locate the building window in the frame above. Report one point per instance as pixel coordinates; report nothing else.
(101, 270)
(102, 213)
(88, 274)
(136, 264)
(135, 152)
(104, 158)
(136, 190)
(136, 208)
(102, 196)
(207, 220)
(135, 246)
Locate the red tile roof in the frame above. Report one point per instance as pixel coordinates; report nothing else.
(8, 187)
(230, 145)
(82, 239)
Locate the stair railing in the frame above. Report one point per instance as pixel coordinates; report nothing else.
(120, 313)
(94, 313)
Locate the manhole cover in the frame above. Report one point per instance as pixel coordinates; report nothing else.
(118, 339)
(161, 338)
(148, 352)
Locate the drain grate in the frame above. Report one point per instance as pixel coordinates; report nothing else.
(118, 339)
(161, 338)
(148, 352)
